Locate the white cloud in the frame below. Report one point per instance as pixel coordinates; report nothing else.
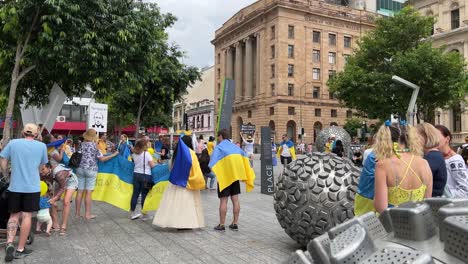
(196, 24)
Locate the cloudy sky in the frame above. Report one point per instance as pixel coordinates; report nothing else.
(197, 22)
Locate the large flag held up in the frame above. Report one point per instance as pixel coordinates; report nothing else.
(230, 163)
(114, 183)
(186, 171)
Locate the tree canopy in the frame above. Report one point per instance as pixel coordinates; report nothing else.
(108, 44)
(400, 45)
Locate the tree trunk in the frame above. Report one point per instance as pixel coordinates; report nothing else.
(140, 109)
(11, 97)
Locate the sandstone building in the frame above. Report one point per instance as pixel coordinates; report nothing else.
(281, 54)
(451, 32)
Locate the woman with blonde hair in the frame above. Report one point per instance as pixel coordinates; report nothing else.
(430, 138)
(401, 174)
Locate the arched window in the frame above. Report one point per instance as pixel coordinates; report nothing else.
(317, 128)
(291, 130)
(333, 124)
(456, 118)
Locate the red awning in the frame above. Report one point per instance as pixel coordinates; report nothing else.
(69, 127)
(156, 129)
(2, 124)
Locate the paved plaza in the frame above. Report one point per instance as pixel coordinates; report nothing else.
(113, 238)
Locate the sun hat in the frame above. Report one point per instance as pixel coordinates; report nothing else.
(90, 135)
(30, 129)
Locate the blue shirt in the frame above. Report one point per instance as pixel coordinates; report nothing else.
(439, 171)
(44, 202)
(367, 179)
(26, 156)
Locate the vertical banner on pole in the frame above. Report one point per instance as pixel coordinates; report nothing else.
(225, 105)
(267, 179)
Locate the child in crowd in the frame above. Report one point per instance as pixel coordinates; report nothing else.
(43, 215)
(207, 173)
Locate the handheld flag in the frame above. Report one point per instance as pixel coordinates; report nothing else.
(186, 171)
(230, 163)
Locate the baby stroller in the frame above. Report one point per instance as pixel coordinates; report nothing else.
(5, 215)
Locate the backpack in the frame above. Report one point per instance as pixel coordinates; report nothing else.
(464, 153)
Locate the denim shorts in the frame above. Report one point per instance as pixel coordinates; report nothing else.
(72, 182)
(86, 179)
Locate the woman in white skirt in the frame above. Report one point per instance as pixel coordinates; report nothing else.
(181, 206)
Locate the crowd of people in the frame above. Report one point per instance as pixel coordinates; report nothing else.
(42, 177)
(410, 164)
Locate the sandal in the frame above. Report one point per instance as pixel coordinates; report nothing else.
(55, 229)
(90, 217)
(63, 231)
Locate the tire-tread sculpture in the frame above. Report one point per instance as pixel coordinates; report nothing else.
(314, 194)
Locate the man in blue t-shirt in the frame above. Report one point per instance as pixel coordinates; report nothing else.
(26, 156)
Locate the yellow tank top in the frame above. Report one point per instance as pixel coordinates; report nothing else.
(397, 195)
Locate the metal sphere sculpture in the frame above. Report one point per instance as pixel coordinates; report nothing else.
(339, 133)
(314, 194)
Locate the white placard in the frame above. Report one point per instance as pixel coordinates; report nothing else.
(97, 117)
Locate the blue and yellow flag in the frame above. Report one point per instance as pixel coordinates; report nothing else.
(230, 163)
(160, 179)
(114, 183)
(290, 145)
(186, 170)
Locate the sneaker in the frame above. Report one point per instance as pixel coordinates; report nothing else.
(234, 227)
(22, 254)
(145, 217)
(220, 228)
(135, 215)
(10, 252)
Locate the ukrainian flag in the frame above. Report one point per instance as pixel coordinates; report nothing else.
(114, 183)
(290, 145)
(230, 163)
(160, 179)
(364, 198)
(186, 170)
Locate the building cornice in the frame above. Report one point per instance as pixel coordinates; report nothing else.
(450, 33)
(315, 8)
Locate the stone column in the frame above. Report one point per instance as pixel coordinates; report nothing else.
(248, 67)
(238, 70)
(465, 49)
(229, 63)
(257, 65)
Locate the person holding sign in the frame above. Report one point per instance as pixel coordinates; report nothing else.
(249, 147)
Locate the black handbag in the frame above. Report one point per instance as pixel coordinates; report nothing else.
(75, 160)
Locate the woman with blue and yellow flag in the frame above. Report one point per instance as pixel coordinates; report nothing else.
(230, 164)
(181, 206)
(286, 151)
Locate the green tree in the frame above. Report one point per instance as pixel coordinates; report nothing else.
(351, 126)
(102, 43)
(395, 47)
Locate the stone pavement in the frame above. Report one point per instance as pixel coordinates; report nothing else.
(113, 238)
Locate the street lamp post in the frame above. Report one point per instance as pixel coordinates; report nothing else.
(438, 117)
(412, 105)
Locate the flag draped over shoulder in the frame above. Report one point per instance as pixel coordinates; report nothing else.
(114, 183)
(230, 163)
(290, 145)
(186, 170)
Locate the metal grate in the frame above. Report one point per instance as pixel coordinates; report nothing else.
(398, 255)
(456, 242)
